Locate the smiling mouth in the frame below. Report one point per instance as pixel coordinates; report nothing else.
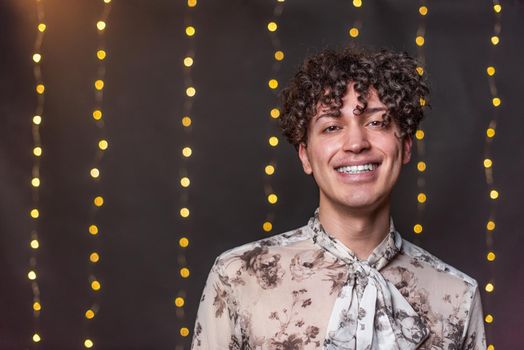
(357, 169)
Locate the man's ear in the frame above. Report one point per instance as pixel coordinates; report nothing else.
(302, 154)
(407, 143)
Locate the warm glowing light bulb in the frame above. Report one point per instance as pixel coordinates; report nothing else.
(419, 40)
(97, 114)
(421, 198)
(267, 226)
(422, 101)
(99, 84)
(357, 3)
(37, 57)
(490, 132)
(94, 257)
(423, 10)
(353, 32)
(273, 84)
(421, 166)
(34, 244)
(495, 40)
(93, 229)
(269, 169)
(190, 30)
(179, 301)
(184, 331)
(40, 88)
(496, 101)
(488, 163)
(494, 194)
(183, 242)
(36, 338)
(37, 120)
(188, 61)
(98, 201)
(419, 134)
(490, 226)
(103, 145)
(490, 70)
(497, 8)
(491, 256)
(34, 213)
(184, 272)
(37, 151)
(95, 173)
(184, 212)
(90, 314)
(88, 343)
(42, 27)
(31, 275)
(273, 141)
(101, 54)
(185, 182)
(490, 287)
(272, 198)
(186, 121)
(187, 152)
(490, 347)
(272, 26)
(35, 182)
(191, 91)
(275, 113)
(191, 3)
(488, 318)
(101, 25)
(417, 228)
(37, 306)
(279, 55)
(95, 285)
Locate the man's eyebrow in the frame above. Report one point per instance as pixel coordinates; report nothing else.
(373, 110)
(324, 115)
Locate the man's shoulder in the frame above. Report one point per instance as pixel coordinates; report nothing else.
(422, 258)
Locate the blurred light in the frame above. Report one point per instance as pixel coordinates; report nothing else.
(421, 166)
(496, 101)
(497, 8)
(37, 120)
(353, 32)
(101, 54)
(36, 338)
(40, 88)
(186, 121)
(419, 134)
(495, 40)
(488, 318)
(490, 347)
(188, 61)
(279, 55)
(494, 194)
(419, 40)
(357, 3)
(184, 331)
(88, 343)
(490, 132)
(423, 10)
(273, 83)
(185, 182)
(490, 70)
(190, 91)
(94, 257)
(37, 151)
(107, 1)
(267, 226)
(272, 198)
(275, 113)
(491, 256)
(184, 272)
(101, 25)
(103, 144)
(421, 198)
(95, 173)
(187, 152)
(42, 27)
(90, 314)
(179, 301)
(422, 102)
(37, 57)
(35, 213)
(31, 275)
(34, 244)
(488, 163)
(490, 287)
(273, 141)
(35, 182)
(99, 84)
(97, 114)
(417, 228)
(272, 26)
(183, 242)
(37, 306)
(420, 70)
(93, 229)
(269, 169)
(95, 285)
(490, 226)
(191, 3)
(98, 201)
(190, 30)
(184, 212)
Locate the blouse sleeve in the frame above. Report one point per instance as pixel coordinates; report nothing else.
(475, 338)
(215, 326)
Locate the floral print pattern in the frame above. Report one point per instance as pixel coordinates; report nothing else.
(304, 289)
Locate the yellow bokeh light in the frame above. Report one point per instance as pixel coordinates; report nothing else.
(90, 314)
(417, 228)
(357, 3)
(269, 169)
(273, 141)
(273, 84)
(183, 242)
(490, 132)
(496, 101)
(267, 226)
(272, 26)
(99, 84)
(494, 194)
(31, 275)
(35, 182)
(186, 121)
(421, 198)
(191, 3)
(98, 201)
(421, 166)
(187, 152)
(37, 306)
(179, 301)
(95, 173)
(107, 1)
(490, 347)
(422, 102)
(275, 113)
(419, 134)
(34, 213)
(423, 10)
(491, 256)
(490, 226)
(184, 212)
(490, 287)
(184, 272)
(272, 198)
(184, 331)
(190, 91)
(188, 61)
(37, 57)
(95, 285)
(40, 88)
(101, 54)
(42, 27)
(495, 40)
(88, 343)
(490, 70)
(94, 257)
(185, 182)
(93, 229)
(37, 151)
(420, 70)
(34, 244)
(37, 120)
(97, 114)
(190, 30)
(488, 163)
(488, 318)
(36, 338)
(353, 32)
(279, 55)
(419, 40)
(101, 25)
(103, 144)
(497, 8)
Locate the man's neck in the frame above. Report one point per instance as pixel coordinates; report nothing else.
(360, 231)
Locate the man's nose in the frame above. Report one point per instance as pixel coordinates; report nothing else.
(356, 139)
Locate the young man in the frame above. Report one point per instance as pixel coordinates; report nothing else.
(346, 280)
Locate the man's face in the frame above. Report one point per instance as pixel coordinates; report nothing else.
(354, 158)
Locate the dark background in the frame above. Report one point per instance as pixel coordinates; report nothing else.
(143, 104)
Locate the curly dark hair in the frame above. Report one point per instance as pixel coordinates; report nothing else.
(324, 78)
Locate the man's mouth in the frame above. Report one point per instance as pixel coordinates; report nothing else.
(357, 169)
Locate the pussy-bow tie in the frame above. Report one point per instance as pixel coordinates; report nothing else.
(370, 313)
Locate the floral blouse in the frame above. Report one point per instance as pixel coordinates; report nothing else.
(304, 289)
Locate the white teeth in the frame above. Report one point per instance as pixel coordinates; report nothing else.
(356, 169)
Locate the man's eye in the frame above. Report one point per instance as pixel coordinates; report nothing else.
(377, 123)
(331, 128)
